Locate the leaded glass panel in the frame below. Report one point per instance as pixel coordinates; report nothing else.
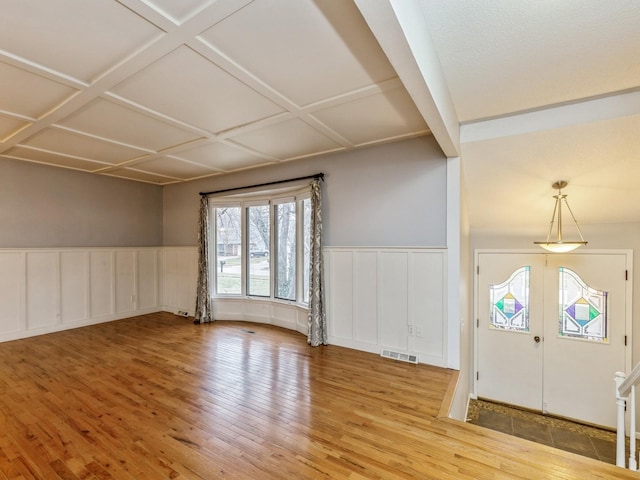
(510, 302)
(583, 310)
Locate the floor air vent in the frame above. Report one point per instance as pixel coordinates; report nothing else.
(403, 357)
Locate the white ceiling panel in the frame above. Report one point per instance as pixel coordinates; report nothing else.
(505, 56)
(307, 50)
(287, 140)
(222, 157)
(27, 94)
(60, 141)
(173, 167)
(367, 119)
(53, 159)
(8, 126)
(188, 87)
(76, 37)
(109, 120)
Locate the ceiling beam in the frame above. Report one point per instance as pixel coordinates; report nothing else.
(621, 104)
(401, 30)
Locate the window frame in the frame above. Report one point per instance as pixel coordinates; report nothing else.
(295, 194)
(213, 253)
(276, 246)
(247, 247)
(300, 231)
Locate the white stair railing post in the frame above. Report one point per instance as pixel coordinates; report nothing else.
(620, 439)
(632, 430)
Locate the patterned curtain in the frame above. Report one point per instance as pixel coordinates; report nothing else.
(317, 319)
(203, 299)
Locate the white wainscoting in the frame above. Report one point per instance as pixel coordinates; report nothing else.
(47, 290)
(388, 298)
(179, 279)
(281, 314)
(377, 298)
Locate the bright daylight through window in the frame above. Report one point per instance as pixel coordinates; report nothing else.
(262, 246)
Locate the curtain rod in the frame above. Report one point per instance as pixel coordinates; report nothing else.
(317, 175)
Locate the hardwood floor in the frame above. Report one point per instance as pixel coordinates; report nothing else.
(156, 397)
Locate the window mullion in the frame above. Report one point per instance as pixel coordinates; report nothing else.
(299, 251)
(244, 250)
(214, 235)
(273, 249)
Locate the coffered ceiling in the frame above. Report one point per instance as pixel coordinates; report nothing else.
(526, 92)
(164, 91)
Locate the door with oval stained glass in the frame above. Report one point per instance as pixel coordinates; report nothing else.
(585, 332)
(551, 332)
(510, 309)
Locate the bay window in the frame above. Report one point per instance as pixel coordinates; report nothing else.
(262, 246)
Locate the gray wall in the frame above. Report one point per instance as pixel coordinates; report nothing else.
(44, 206)
(389, 195)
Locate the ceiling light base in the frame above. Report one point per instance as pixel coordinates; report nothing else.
(559, 245)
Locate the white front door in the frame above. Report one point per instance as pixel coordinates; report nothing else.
(551, 332)
(580, 363)
(510, 318)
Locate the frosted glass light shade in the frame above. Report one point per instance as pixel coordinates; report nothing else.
(560, 247)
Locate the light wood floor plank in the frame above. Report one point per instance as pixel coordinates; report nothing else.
(156, 397)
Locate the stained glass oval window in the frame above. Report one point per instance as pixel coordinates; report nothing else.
(510, 302)
(583, 310)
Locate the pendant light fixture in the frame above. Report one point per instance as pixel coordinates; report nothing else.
(559, 245)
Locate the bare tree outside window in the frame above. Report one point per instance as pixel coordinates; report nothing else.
(286, 250)
(259, 235)
(228, 250)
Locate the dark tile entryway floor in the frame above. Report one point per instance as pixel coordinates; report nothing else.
(565, 435)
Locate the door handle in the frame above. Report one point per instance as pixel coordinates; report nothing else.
(536, 339)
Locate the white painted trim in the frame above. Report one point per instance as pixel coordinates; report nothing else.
(454, 314)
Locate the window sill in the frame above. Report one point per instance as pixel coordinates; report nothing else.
(250, 298)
